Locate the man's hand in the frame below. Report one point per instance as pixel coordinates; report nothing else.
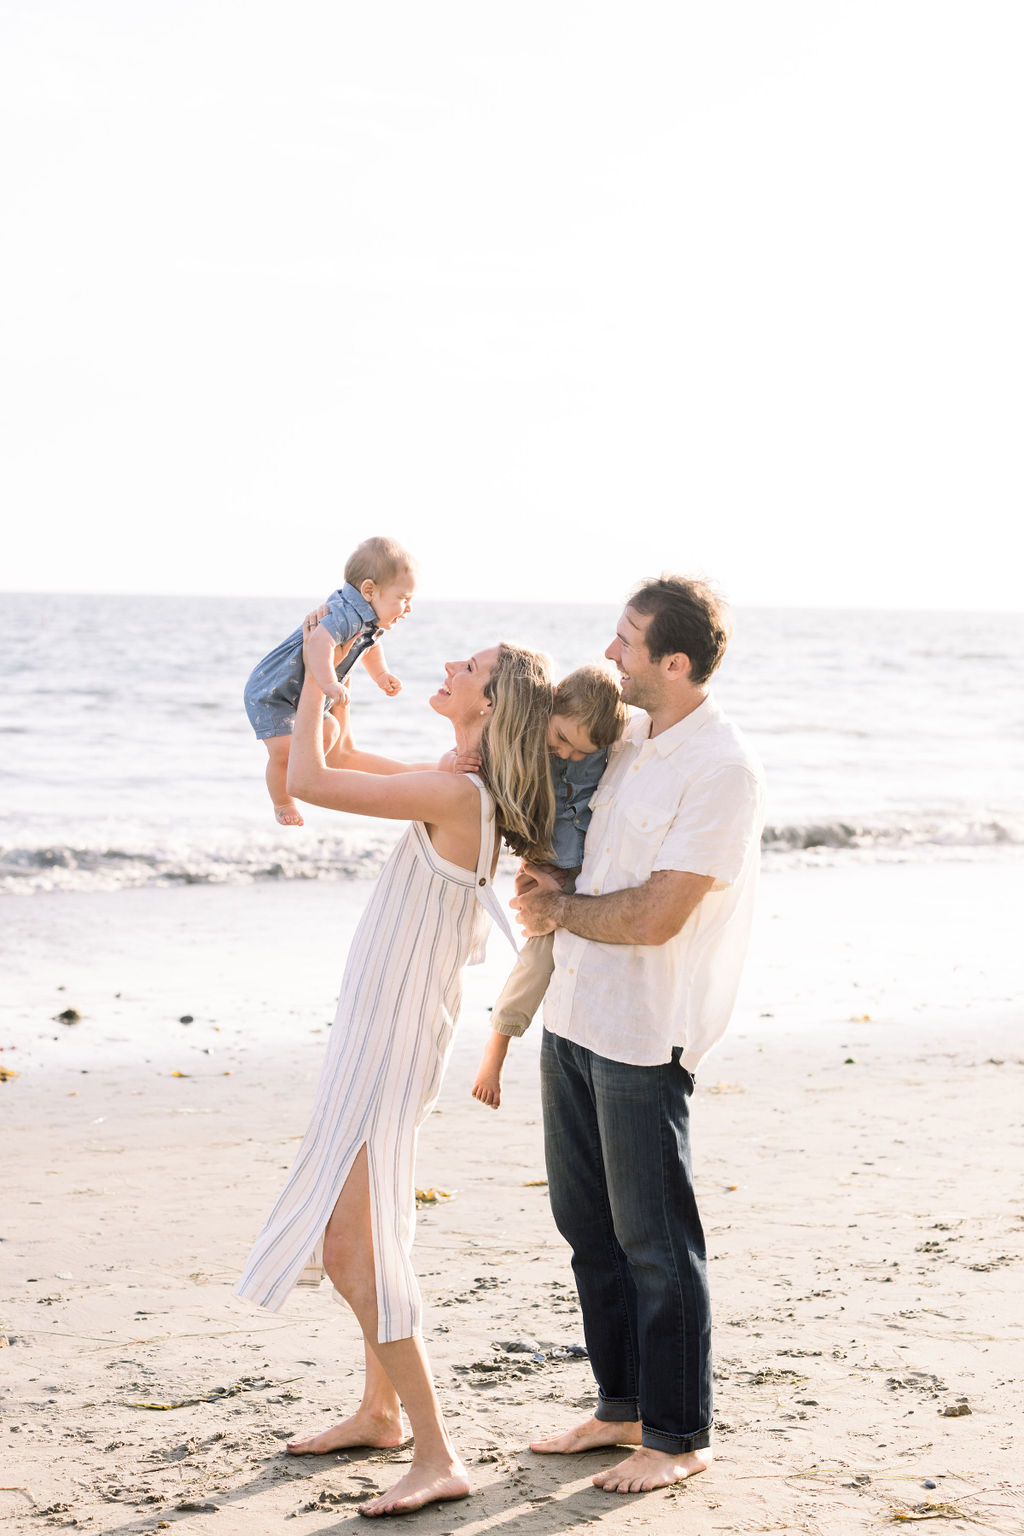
(467, 762)
(537, 901)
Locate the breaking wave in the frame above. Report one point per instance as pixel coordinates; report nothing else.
(357, 856)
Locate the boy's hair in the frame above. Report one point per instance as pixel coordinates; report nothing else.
(591, 696)
(688, 617)
(378, 560)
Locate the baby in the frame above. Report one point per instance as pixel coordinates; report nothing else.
(379, 583)
(589, 716)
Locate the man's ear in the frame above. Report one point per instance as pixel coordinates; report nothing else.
(677, 665)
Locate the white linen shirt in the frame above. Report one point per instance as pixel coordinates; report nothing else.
(690, 799)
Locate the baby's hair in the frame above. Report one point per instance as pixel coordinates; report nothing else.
(379, 560)
(591, 696)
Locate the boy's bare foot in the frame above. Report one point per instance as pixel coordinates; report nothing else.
(424, 1484)
(288, 814)
(647, 1468)
(592, 1435)
(363, 1428)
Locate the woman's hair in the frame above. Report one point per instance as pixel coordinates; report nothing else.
(514, 750)
(591, 697)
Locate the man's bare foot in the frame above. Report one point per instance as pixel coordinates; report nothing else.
(363, 1428)
(593, 1435)
(420, 1485)
(288, 814)
(647, 1468)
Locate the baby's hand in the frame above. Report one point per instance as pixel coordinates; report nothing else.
(487, 1088)
(338, 692)
(388, 683)
(467, 762)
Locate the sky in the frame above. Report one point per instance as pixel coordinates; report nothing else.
(559, 294)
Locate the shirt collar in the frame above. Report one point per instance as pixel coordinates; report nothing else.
(355, 598)
(681, 732)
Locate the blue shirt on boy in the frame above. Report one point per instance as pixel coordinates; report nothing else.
(272, 692)
(574, 783)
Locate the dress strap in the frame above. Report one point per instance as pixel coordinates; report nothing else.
(484, 885)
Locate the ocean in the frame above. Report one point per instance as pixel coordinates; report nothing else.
(126, 759)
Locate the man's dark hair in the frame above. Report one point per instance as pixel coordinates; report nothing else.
(686, 616)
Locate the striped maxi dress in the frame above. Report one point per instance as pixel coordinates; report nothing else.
(392, 1034)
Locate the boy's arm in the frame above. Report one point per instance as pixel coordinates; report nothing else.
(487, 1087)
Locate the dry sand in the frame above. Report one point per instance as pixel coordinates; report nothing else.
(857, 1146)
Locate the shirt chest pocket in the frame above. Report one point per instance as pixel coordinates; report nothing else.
(641, 833)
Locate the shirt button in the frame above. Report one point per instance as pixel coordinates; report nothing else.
(607, 850)
(483, 882)
(596, 891)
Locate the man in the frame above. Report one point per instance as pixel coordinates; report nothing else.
(648, 953)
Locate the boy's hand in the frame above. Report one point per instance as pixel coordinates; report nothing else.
(487, 1089)
(467, 762)
(388, 683)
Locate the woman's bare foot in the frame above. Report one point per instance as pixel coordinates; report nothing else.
(592, 1435)
(288, 814)
(647, 1468)
(422, 1484)
(363, 1428)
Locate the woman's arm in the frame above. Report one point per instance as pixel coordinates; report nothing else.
(348, 755)
(390, 790)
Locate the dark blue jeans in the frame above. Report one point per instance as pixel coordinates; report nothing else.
(618, 1159)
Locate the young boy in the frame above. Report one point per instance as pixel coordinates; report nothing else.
(379, 583)
(589, 717)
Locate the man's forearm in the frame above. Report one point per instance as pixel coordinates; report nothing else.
(651, 913)
(620, 917)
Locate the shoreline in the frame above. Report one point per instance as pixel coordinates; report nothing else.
(858, 1128)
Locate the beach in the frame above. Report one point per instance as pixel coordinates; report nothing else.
(857, 1146)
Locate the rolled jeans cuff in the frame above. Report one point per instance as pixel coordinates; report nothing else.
(617, 1410)
(675, 1445)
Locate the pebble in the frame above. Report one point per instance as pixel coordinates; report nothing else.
(69, 1016)
(519, 1346)
(186, 1018)
(928, 1483)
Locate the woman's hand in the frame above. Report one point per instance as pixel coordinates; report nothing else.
(312, 619)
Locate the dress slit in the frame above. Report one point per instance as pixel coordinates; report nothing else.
(386, 1057)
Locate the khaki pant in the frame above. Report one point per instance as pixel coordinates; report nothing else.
(524, 991)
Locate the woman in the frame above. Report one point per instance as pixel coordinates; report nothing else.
(350, 1197)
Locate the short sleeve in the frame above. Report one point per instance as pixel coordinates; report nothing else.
(341, 620)
(717, 820)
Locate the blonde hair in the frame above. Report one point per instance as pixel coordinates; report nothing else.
(590, 695)
(378, 560)
(514, 750)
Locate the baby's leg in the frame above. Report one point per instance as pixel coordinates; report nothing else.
(285, 809)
